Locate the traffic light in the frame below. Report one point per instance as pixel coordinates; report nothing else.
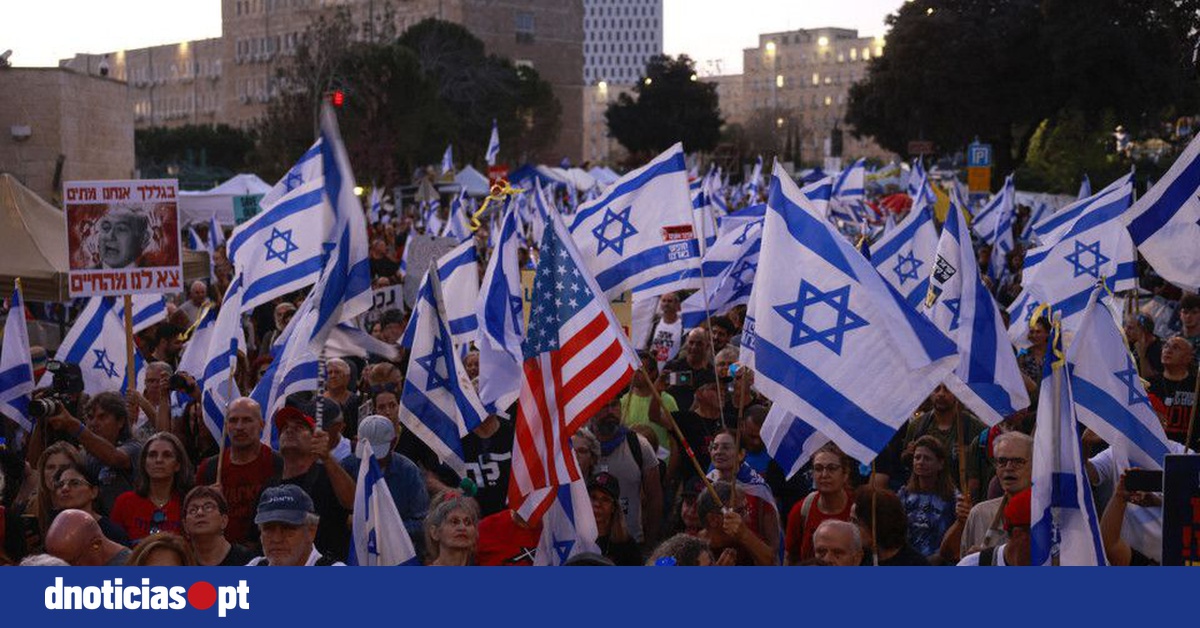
(337, 98)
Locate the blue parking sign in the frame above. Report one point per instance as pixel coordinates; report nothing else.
(979, 155)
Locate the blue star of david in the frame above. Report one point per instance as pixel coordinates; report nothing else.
(430, 364)
(741, 239)
(953, 306)
(1098, 259)
(743, 275)
(293, 180)
(838, 299)
(518, 309)
(616, 243)
(563, 549)
(273, 252)
(913, 264)
(1129, 377)
(104, 364)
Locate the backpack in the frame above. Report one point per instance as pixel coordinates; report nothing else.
(635, 447)
(987, 557)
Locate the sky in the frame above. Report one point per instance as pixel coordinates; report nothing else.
(712, 32)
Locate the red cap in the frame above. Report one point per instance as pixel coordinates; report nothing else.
(288, 413)
(1016, 512)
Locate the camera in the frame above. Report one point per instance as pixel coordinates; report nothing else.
(680, 378)
(179, 383)
(65, 387)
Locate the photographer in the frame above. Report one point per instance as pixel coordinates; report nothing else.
(111, 451)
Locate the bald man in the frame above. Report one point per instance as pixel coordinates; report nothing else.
(76, 538)
(248, 465)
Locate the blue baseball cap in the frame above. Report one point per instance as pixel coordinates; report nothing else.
(284, 504)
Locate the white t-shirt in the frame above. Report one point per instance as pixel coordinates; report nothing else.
(972, 560)
(664, 343)
(1142, 528)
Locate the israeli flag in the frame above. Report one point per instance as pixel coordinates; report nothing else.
(375, 205)
(904, 255)
(493, 148)
(294, 366)
(16, 367)
(282, 249)
(195, 352)
(500, 312)
(1095, 247)
(568, 527)
(754, 183)
(639, 234)
(438, 403)
(739, 219)
(830, 333)
(380, 539)
(148, 310)
(194, 242)
(705, 214)
(434, 225)
(218, 387)
(986, 223)
(1062, 513)
(458, 272)
(1040, 208)
(1165, 223)
(216, 235)
(790, 441)
(459, 208)
(851, 183)
(96, 342)
(343, 290)
(1109, 396)
(1020, 314)
(448, 159)
(730, 288)
(1051, 228)
(1085, 187)
(987, 379)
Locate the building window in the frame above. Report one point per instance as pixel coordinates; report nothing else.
(524, 27)
(816, 78)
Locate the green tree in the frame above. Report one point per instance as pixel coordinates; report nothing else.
(671, 105)
(198, 155)
(957, 69)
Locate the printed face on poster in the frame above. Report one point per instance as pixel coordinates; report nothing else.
(123, 237)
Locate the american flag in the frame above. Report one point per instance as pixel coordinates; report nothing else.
(576, 360)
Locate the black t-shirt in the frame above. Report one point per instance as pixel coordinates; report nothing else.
(489, 463)
(688, 380)
(384, 267)
(624, 554)
(906, 557)
(1178, 397)
(238, 556)
(333, 533)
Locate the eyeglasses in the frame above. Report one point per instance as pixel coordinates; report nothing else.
(1016, 463)
(70, 483)
(826, 468)
(199, 508)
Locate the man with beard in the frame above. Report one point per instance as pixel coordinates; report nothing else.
(943, 421)
(628, 457)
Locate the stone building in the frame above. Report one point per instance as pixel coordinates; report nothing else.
(57, 125)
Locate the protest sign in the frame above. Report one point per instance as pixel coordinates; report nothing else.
(123, 237)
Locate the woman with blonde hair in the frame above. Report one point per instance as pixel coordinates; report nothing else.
(162, 549)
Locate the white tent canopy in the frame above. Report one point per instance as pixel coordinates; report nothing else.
(473, 181)
(197, 207)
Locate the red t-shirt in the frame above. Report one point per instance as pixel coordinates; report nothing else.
(135, 515)
(503, 543)
(798, 537)
(241, 485)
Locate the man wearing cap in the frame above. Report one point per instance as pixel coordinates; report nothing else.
(1015, 551)
(309, 464)
(288, 524)
(404, 479)
(247, 465)
(635, 469)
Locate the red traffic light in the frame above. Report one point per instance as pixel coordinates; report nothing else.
(337, 98)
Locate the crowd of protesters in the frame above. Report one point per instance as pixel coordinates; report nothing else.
(678, 473)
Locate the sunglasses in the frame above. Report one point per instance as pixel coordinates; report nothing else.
(157, 520)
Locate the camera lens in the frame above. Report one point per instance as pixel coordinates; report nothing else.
(42, 408)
